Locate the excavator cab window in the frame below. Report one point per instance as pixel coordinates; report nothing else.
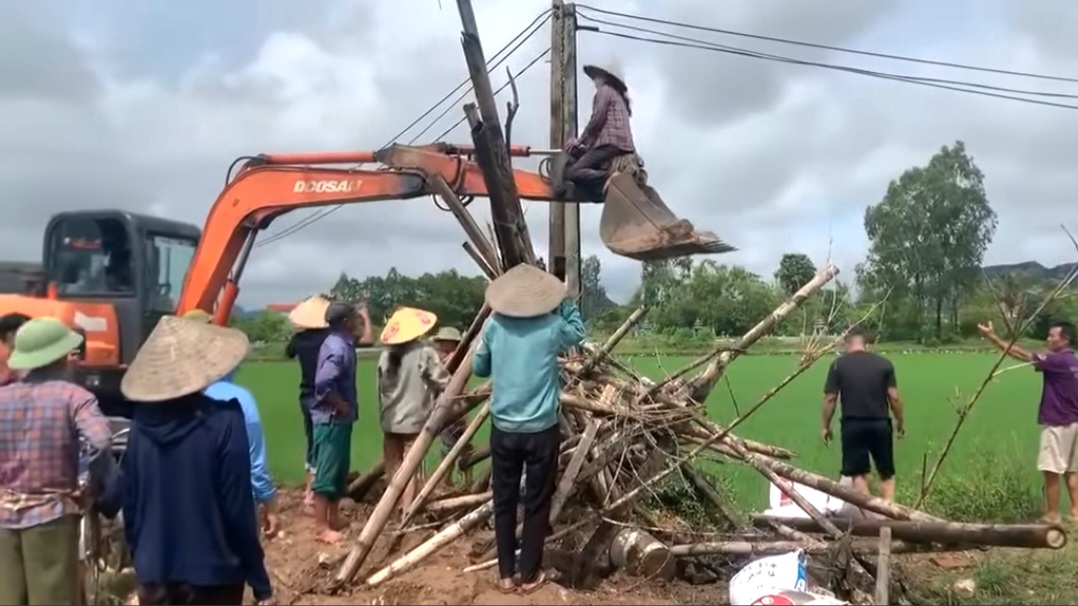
(167, 261)
(91, 256)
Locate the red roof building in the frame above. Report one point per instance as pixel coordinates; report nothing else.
(282, 308)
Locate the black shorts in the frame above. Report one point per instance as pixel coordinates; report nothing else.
(866, 442)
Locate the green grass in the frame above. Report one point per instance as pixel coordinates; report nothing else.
(989, 474)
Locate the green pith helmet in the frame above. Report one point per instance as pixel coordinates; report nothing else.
(41, 342)
(447, 333)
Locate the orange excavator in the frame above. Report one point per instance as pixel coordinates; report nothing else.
(112, 274)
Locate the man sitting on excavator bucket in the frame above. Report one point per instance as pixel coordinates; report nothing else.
(602, 165)
(607, 136)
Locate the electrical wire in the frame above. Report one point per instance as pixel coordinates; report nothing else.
(839, 49)
(862, 71)
(493, 63)
(508, 82)
(954, 85)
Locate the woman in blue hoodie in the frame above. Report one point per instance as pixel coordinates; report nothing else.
(189, 515)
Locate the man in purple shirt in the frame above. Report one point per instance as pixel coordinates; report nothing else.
(335, 409)
(1058, 414)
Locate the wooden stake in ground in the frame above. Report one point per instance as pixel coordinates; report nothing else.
(883, 568)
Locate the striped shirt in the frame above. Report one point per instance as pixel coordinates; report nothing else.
(609, 123)
(42, 419)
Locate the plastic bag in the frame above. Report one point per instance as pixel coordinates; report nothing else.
(782, 506)
(768, 576)
(798, 598)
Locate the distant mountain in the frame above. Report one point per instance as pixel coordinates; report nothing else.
(1031, 269)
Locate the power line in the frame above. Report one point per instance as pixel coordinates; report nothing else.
(955, 85)
(508, 82)
(862, 71)
(519, 40)
(839, 49)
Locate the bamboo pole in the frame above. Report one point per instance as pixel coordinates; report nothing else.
(446, 464)
(1030, 536)
(412, 460)
(700, 386)
(432, 545)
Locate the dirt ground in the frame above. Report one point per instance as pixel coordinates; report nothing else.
(300, 566)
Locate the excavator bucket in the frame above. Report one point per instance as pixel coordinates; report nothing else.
(637, 224)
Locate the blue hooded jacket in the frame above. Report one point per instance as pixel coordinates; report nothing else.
(189, 515)
(226, 390)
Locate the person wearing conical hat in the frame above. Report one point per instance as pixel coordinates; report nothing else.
(334, 412)
(410, 376)
(45, 415)
(607, 135)
(533, 322)
(309, 320)
(189, 513)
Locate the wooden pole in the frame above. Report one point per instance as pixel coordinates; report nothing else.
(568, 120)
(556, 250)
(1028, 536)
(883, 568)
(490, 150)
(412, 460)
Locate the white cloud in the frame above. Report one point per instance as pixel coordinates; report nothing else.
(772, 157)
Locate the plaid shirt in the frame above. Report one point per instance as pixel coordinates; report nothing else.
(609, 124)
(42, 420)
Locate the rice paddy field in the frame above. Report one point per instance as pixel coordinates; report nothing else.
(990, 473)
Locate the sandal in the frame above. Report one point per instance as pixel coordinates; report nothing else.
(535, 585)
(507, 585)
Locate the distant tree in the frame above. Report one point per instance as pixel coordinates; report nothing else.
(795, 270)
(593, 297)
(928, 235)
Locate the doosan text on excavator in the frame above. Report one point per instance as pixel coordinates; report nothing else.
(113, 274)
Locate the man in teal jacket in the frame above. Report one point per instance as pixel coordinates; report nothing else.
(533, 322)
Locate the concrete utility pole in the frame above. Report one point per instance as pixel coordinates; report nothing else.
(564, 251)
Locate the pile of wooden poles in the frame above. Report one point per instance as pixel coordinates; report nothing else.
(623, 435)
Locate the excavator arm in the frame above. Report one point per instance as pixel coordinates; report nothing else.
(270, 185)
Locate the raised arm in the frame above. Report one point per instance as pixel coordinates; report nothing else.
(571, 332)
(1013, 351)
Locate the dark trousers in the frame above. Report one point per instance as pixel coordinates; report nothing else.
(592, 166)
(181, 593)
(308, 429)
(510, 454)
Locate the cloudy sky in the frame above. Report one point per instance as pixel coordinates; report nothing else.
(142, 105)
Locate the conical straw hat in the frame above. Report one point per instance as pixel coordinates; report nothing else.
(407, 324)
(310, 313)
(525, 292)
(611, 69)
(182, 357)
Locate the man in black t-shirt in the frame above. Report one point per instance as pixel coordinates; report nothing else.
(865, 384)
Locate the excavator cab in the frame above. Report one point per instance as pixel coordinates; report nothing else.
(112, 275)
